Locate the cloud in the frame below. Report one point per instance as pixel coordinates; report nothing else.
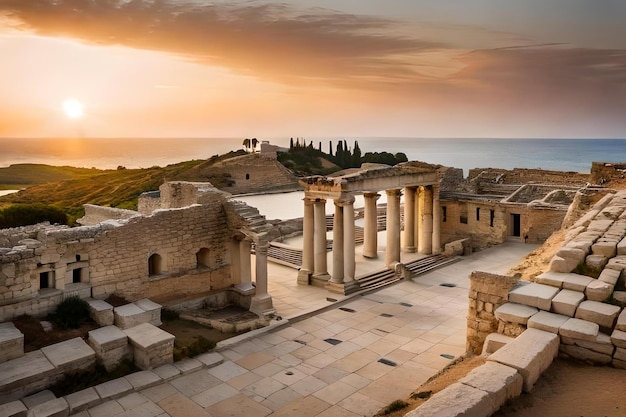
(269, 41)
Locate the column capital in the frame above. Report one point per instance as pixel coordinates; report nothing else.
(396, 192)
(371, 195)
(344, 201)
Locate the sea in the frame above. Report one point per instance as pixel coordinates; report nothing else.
(553, 154)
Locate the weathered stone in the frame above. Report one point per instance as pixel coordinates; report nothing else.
(515, 313)
(38, 398)
(610, 276)
(111, 346)
(621, 321)
(456, 400)
(143, 379)
(601, 313)
(81, 400)
(53, 408)
(70, 355)
(600, 225)
(11, 342)
(13, 409)
(501, 382)
(602, 344)
(586, 354)
(152, 308)
(596, 262)
(580, 329)
(530, 353)
(598, 291)
(566, 302)
(567, 259)
(606, 249)
(151, 346)
(101, 312)
(535, 295)
(130, 315)
(495, 341)
(576, 282)
(618, 338)
(620, 354)
(621, 247)
(549, 322)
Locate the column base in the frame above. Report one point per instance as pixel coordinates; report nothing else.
(320, 280)
(370, 255)
(344, 288)
(262, 306)
(304, 277)
(245, 288)
(410, 249)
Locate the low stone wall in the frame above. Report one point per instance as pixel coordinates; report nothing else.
(487, 293)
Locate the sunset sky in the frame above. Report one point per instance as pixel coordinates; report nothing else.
(411, 68)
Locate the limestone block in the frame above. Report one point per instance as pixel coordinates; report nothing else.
(580, 329)
(38, 398)
(601, 313)
(143, 379)
(571, 258)
(620, 298)
(130, 315)
(616, 363)
(581, 242)
(113, 389)
(618, 338)
(152, 308)
(101, 312)
(535, 295)
(11, 342)
(111, 346)
(25, 375)
(549, 322)
(70, 355)
(554, 279)
(621, 247)
(610, 276)
(621, 321)
(617, 263)
(598, 290)
(151, 346)
(456, 400)
(620, 354)
(602, 344)
(53, 408)
(596, 262)
(586, 354)
(501, 382)
(495, 341)
(600, 225)
(606, 249)
(530, 353)
(81, 400)
(566, 302)
(576, 282)
(515, 313)
(13, 409)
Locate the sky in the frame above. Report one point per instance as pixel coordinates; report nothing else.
(313, 68)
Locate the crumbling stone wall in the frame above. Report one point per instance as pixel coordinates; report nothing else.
(487, 293)
(605, 172)
(525, 176)
(96, 214)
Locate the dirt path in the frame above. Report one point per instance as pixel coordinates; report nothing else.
(572, 389)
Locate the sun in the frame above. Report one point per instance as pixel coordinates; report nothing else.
(73, 108)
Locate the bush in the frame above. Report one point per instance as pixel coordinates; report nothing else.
(26, 214)
(71, 313)
(79, 380)
(200, 345)
(395, 406)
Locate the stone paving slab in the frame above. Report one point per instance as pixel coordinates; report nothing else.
(143, 379)
(535, 295)
(515, 313)
(113, 389)
(549, 322)
(601, 313)
(53, 408)
(530, 353)
(82, 400)
(188, 365)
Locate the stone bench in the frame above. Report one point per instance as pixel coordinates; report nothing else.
(151, 346)
(11, 342)
(101, 312)
(530, 353)
(25, 375)
(111, 346)
(70, 356)
(134, 314)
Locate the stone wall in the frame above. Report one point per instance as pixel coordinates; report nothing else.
(96, 214)
(172, 253)
(606, 172)
(525, 176)
(487, 293)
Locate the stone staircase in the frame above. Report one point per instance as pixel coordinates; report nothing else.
(585, 312)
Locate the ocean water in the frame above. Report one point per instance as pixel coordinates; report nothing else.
(553, 154)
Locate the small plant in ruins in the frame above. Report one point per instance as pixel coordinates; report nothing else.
(71, 313)
(395, 406)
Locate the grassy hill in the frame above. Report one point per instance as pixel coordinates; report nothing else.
(24, 175)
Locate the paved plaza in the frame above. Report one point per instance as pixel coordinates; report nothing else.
(349, 357)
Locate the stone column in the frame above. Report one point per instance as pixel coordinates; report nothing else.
(418, 217)
(245, 266)
(261, 303)
(426, 226)
(392, 253)
(304, 274)
(338, 239)
(320, 264)
(436, 221)
(349, 261)
(409, 219)
(370, 232)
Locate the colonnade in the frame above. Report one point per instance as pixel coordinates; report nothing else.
(261, 302)
(421, 233)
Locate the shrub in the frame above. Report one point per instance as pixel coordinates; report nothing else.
(26, 214)
(71, 313)
(200, 345)
(169, 315)
(395, 406)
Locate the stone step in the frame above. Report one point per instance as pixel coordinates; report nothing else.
(548, 322)
(565, 280)
(495, 341)
(11, 342)
(603, 314)
(566, 302)
(579, 329)
(534, 295)
(515, 313)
